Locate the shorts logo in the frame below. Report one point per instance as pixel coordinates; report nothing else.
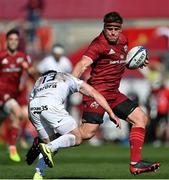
(38, 110)
(94, 105)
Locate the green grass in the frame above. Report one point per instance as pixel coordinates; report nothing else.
(106, 161)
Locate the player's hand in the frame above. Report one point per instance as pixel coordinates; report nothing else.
(146, 62)
(116, 120)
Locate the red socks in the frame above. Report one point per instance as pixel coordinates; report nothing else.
(13, 132)
(137, 135)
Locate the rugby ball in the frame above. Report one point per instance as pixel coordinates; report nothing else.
(136, 57)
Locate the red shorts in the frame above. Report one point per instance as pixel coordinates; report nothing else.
(121, 106)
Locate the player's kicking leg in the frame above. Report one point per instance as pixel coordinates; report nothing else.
(73, 138)
(12, 108)
(137, 134)
(48, 150)
(34, 150)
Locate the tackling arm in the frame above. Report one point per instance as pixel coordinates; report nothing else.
(32, 71)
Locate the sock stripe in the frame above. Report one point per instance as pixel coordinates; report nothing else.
(141, 137)
(137, 133)
(136, 138)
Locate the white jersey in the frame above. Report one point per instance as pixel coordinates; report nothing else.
(56, 86)
(49, 63)
(46, 105)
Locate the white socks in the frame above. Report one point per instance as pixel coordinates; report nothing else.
(66, 140)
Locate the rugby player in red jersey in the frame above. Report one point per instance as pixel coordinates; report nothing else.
(12, 64)
(106, 56)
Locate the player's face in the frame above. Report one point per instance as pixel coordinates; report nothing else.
(57, 56)
(12, 42)
(112, 32)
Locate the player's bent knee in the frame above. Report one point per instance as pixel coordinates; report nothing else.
(145, 119)
(141, 120)
(138, 118)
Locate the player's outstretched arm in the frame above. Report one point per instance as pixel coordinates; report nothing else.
(81, 66)
(90, 91)
(32, 71)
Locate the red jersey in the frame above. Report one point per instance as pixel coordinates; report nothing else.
(10, 73)
(108, 64)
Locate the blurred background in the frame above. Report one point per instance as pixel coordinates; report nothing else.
(72, 25)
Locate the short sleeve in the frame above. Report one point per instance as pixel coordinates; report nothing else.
(41, 67)
(93, 50)
(75, 83)
(65, 64)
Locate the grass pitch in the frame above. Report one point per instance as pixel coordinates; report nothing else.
(87, 162)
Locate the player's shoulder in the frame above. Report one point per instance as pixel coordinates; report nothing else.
(99, 39)
(48, 59)
(21, 53)
(3, 53)
(64, 59)
(65, 75)
(97, 44)
(123, 39)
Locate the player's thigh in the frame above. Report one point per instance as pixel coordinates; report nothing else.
(11, 106)
(122, 106)
(92, 112)
(130, 111)
(43, 129)
(138, 118)
(92, 118)
(61, 124)
(38, 122)
(67, 125)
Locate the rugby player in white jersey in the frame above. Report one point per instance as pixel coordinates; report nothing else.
(48, 114)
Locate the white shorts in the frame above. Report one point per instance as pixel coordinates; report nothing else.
(48, 121)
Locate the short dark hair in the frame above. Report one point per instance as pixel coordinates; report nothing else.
(57, 45)
(113, 17)
(48, 72)
(12, 31)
